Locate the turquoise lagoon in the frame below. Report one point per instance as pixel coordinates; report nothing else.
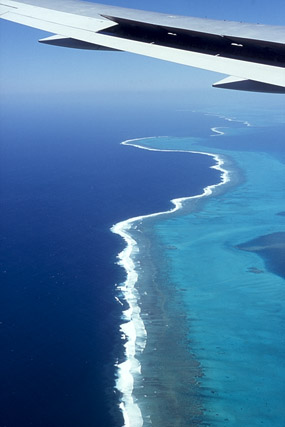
(210, 288)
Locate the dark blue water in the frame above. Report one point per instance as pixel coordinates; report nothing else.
(64, 181)
(271, 248)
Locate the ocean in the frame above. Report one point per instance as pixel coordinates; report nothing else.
(65, 180)
(205, 284)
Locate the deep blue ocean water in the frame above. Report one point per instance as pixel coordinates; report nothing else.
(65, 180)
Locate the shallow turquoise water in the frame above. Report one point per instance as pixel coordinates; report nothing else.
(234, 304)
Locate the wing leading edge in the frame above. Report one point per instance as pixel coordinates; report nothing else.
(253, 55)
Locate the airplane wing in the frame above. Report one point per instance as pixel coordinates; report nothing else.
(253, 55)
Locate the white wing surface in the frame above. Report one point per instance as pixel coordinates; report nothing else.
(253, 55)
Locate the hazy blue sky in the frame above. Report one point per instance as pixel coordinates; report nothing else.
(29, 67)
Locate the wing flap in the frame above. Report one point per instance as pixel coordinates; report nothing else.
(238, 48)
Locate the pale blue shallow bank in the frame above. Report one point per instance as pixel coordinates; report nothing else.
(235, 305)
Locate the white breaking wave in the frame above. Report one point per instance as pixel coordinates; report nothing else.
(133, 329)
(217, 131)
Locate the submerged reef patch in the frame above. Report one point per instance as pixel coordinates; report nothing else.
(271, 248)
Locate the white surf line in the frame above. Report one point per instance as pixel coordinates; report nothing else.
(119, 301)
(229, 119)
(220, 116)
(133, 330)
(217, 132)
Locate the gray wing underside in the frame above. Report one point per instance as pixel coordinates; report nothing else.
(253, 55)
